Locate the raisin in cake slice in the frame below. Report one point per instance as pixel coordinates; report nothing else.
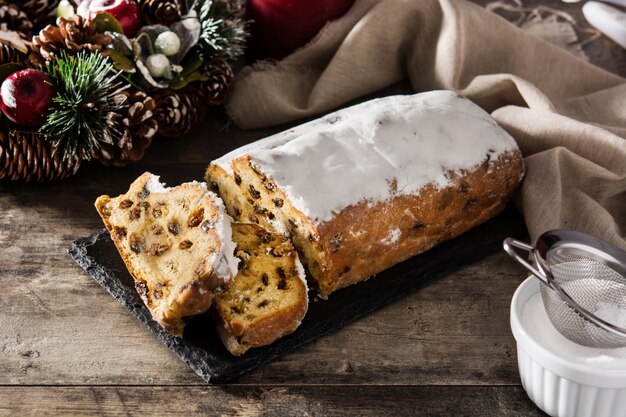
(176, 243)
(268, 298)
(369, 186)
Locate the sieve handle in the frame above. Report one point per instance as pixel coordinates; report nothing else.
(510, 244)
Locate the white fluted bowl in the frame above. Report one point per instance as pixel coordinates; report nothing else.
(562, 378)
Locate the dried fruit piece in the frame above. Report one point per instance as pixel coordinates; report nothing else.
(185, 244)
(126, 204)
(206, 226)
(135, 213)
(196, 218)
(120, 232)
(173, 227)
(254, 193)
(144, 193)
(158, 249)
(135, 244)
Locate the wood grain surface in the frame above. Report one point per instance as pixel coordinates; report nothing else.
(67, 348)
(361, 401)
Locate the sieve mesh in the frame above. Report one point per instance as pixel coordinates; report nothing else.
(594, 286)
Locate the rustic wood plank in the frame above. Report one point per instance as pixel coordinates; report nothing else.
(54, 335)
(266, 401)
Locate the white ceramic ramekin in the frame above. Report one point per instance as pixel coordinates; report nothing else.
(560, 377)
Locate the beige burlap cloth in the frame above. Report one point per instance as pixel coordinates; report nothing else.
(568, 116)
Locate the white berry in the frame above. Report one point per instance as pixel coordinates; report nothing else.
(167, 43)
(157, 64)
(65, 10)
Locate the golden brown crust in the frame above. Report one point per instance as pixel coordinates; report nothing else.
(262, 333)
(360, 239)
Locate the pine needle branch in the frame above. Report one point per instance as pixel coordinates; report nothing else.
(223, 33)
(86, 88)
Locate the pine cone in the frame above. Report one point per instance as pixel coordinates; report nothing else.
(29, 157)
(9, 54)
(13, 52)
(216, 89)
(135, 121)
(162, 12)
(71, 35)
(41, 12)
(178, 111)
(12, 18)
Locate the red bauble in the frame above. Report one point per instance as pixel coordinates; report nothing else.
(125, 11)
(26, 97)
(281, 26)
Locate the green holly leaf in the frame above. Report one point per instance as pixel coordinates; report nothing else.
(120, 61)
(8, 69)
(107, 23)
(180, 81)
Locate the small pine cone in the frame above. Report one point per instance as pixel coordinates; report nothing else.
(10, 55)
(29, 157)
(41, 12)
(162, 12)
(12, 18)
(137, 126)
(13, 47)
(178, 111)
(70, 35)
(216, 89)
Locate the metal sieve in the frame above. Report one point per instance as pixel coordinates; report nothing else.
(584, 285)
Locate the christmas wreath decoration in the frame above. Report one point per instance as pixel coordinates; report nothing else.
(99, 79)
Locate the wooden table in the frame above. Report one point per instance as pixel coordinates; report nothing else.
(68, 348)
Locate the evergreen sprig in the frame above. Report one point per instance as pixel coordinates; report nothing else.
(86, 88)
(223, 34)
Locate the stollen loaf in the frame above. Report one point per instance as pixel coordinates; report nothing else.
(369, 186)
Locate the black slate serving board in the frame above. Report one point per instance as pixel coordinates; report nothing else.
(200, 347)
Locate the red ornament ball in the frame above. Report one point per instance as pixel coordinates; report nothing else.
(281, 26)
(26, 97)
(125, 11)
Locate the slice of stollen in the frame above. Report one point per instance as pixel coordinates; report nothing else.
(176, 243)
(268, 297)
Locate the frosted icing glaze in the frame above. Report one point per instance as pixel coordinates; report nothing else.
(302, 277)
(386, 147)
(226, 265)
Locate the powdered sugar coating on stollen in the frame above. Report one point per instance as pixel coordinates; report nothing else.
(227, 264)
(376, 150)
